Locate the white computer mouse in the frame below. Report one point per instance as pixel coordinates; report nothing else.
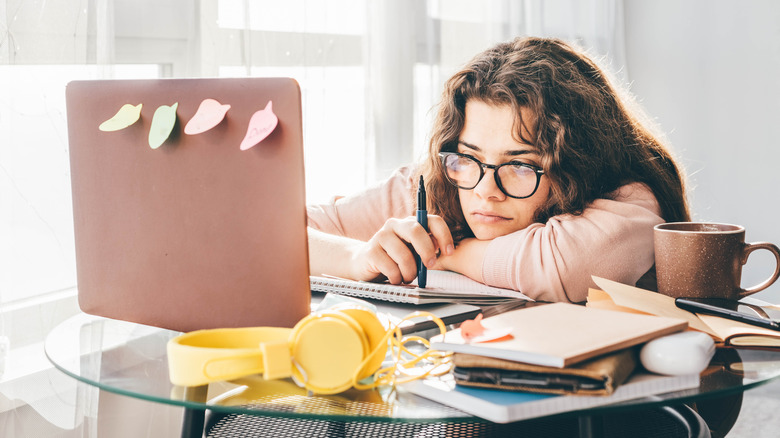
(678, 354)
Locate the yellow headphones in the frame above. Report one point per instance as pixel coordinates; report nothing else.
(327, 352)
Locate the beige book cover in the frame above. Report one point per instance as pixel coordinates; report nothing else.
(561, 334)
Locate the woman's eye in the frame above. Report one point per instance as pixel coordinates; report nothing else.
(519, 163)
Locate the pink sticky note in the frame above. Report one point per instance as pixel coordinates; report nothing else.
(472, 328)
(473, 331)
(209, 114)
(260, 126)
(490, 335)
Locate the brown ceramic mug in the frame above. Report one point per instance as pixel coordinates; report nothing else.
(697, 259)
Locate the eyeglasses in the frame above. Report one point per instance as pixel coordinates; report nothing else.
(515, 179)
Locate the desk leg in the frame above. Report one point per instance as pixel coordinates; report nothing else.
(591, 427)
(193, 421)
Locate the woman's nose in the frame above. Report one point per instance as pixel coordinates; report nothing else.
(487, 188)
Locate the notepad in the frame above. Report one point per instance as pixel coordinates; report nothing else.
(442, 287)
(561, 334)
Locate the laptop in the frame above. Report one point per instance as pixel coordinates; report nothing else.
(189, 231)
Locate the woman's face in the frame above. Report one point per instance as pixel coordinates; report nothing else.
(487, 135)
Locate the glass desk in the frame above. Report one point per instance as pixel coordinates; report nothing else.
(130, 359)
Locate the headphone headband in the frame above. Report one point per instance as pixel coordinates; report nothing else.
(204, 356)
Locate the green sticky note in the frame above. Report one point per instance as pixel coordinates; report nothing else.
(163, 122)
(126, 116)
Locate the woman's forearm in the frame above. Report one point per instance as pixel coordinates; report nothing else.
(330, 254)
(467, 258)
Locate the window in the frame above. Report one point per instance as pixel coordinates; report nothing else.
(370, 74)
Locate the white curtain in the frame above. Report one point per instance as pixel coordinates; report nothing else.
(370, 71)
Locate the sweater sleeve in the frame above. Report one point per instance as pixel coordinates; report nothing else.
(361, 215)
(612, 238)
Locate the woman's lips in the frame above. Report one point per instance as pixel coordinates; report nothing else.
(488, 217)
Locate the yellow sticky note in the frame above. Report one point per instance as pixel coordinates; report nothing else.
(260, 126)
(210, 113)
(126, 116)
(163, 122)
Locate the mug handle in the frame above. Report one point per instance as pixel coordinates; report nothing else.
(749, 248)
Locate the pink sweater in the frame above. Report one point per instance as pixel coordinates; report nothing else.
(612, 238)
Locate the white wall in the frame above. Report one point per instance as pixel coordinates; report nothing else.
(709, 72)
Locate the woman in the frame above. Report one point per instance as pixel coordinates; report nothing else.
(538, 175)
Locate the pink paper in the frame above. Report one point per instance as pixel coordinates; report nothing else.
(474, 332)
(210, 113)
(260, 126)
(472, 328)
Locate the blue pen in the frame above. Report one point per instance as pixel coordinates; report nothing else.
(422, 219)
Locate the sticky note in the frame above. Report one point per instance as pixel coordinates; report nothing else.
(209, 114)
(260, 126)
(163, 122)
(126, 116)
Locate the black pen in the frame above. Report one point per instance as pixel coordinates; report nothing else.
(692, 305)
(422, 219)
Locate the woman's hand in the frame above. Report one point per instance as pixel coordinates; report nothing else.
(390, 252)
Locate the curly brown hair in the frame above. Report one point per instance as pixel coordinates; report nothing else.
(590, 135)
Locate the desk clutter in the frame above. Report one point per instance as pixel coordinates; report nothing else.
(626, 343)
(538, 360)
(556, 358)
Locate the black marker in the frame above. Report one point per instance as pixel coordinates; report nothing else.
(422, 219)
(714, 307)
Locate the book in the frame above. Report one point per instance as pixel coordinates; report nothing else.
(597, 376)
(622, 297)
(502, 406)
(442, 287)
(560, 334)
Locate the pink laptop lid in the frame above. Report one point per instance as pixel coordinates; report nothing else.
(191, 232)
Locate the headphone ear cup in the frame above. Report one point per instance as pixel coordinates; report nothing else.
(327, 348)
(375, 332)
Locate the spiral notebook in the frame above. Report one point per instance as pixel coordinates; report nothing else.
(442, 287)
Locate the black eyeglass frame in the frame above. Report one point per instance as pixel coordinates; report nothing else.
(538, 171)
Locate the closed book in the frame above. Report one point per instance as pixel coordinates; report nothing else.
(506, 406)
(560, 334)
